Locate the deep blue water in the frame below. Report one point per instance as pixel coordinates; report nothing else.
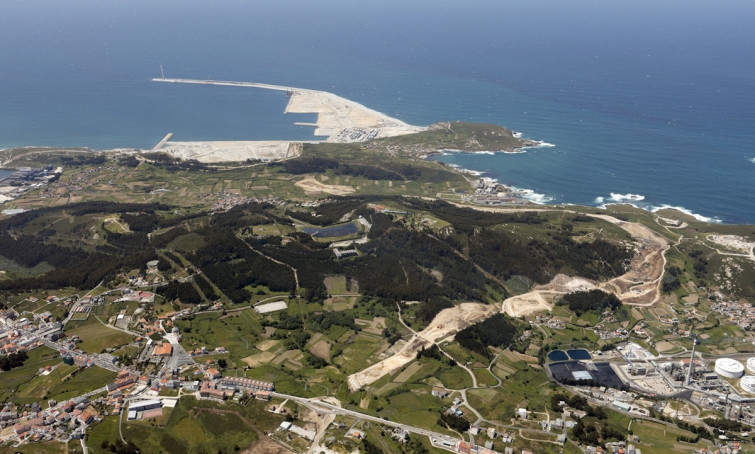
(639, 97)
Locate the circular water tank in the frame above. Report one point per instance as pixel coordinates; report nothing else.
(729, 368)
(748, 383)
(751, 365)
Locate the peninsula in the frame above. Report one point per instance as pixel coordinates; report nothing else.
(339, 120)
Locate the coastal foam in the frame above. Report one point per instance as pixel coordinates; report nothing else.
(539, 144)
(699, 217)
(448, 151)
(533, 196)
(616, 197)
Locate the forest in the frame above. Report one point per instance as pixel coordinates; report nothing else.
(232, 265)
(399, 262)
(182, 291)
(595, 301)
(499, 330)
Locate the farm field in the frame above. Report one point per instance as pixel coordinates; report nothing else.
(62, 383)
(11, 380)
(96, 337)
(201, 426)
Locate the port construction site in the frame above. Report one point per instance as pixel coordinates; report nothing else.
(338, 120)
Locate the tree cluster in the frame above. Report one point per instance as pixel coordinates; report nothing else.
(129, 161)
(172, 164)
(670, 281)
(578, 402)
(12, 361)
(232, 266)
(457, 423)
(205, 286)
(595, 301)
(322, 322)
(369, 448)
(140, 222)
(700, 431)
(182, 291)
(386, 171)
(497, 331)
(433, 352)
(119, 447)
(83, 159)
(596, 432)
(726, 424)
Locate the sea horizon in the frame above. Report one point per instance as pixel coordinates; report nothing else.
(617, 89)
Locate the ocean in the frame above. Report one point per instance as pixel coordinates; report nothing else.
(643, 101)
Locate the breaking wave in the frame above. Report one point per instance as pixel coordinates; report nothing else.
(699, 217)
(616, 197)
(532, 196)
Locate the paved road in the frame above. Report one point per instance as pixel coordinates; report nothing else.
(325, 407)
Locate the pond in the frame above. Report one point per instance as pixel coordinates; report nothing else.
(557, 355)
(579, 353)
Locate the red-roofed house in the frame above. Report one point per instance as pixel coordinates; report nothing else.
(85, 417)
(164, 350)
(213, 373)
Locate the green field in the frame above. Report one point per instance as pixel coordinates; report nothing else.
(106, 430)
(62, 383)
(359, 352)
(659, 438)
(43, 448)
(234, 331)
(416, 407)
(96, 337)
(13, 379)
(200, 426)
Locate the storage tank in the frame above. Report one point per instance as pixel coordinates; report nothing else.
(751, 365)
(748, 383)
(729, 368)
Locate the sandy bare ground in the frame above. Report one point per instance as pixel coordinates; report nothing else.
(734, 243)
(641, 285)
(336, 116)
(312, 186)
(232, 151)
(259, 358)
(542, 297)
(339, 119)
(447, 323)
(266, 445)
